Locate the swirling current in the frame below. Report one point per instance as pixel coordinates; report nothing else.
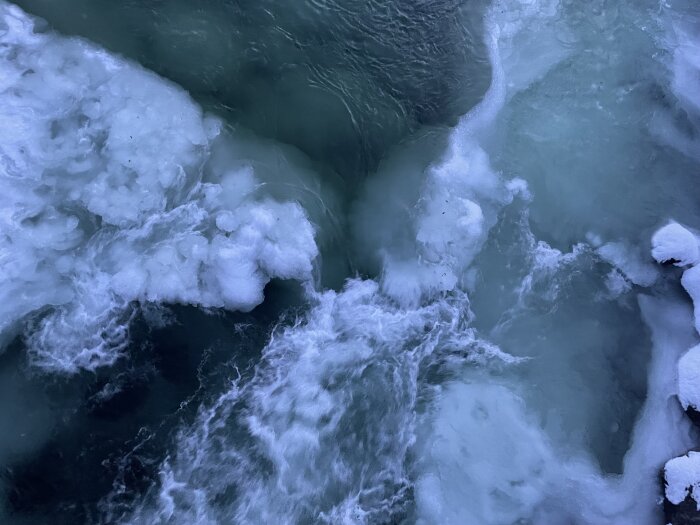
(349, 262)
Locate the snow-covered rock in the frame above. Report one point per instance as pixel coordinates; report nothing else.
(682, 489)
(675, 244)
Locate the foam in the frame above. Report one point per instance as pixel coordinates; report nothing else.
(689, 378)
(460, 438)
(105, 201)
(484, 458)
(300, 414)
(380, 385)
(485, 462)
(459, 193)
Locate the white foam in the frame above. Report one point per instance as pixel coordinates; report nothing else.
(301, 413)
(485, 462)
(104, 201)
(484, 458)
(433, 235)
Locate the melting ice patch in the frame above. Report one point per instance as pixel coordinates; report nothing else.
(107, 200)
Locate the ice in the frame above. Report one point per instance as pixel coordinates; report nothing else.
(299, 412)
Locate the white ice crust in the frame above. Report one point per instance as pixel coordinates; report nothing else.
(107, 199)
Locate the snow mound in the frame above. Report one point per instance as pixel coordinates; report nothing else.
(674, 243)
(682, 476)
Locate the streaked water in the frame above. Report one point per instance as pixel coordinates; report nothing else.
(343, 262)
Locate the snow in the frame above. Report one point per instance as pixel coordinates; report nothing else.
(682, 475)
(675, 243)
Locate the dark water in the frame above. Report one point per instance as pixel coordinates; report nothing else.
(99, 438)
(342, 81)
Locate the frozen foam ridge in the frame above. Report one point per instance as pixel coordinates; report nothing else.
(108, 200)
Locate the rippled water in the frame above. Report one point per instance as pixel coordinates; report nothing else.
(343, 262)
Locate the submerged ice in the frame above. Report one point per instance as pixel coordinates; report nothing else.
(510, 344)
